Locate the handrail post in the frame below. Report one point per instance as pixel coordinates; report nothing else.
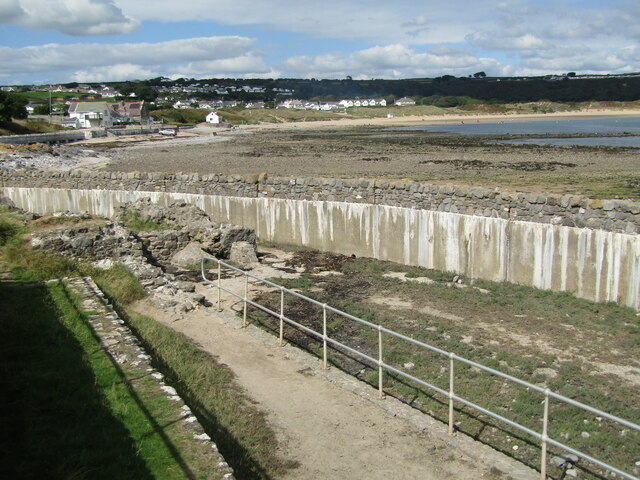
(324, 336)
(281, 316)
(246, 293)
(219, 285)
(545, 433)
(451, 394)
(380, 387)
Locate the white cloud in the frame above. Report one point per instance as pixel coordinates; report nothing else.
(390, 61)
(114, 73)
(561, 36)
(250, 65)
(230, 56)
(73, 17)
(396, 39)
(405, 21)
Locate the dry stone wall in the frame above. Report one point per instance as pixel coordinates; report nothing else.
(568, 210)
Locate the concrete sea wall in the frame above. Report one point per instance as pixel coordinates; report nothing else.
(595, 264)
(566, 210)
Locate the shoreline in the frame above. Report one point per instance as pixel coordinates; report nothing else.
(218, 133)
(446, 119)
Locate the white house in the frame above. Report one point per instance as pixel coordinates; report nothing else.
(405, 101)
(213, 117)
(91, 114)
(329, 106)
(292, 103)
(184, 104)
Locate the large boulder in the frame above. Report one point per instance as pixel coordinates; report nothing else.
(190, 255)
(243, 254)
(230, 234)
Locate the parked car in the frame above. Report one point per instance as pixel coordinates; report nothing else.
(171, 132)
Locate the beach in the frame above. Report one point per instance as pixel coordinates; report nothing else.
(360, 148)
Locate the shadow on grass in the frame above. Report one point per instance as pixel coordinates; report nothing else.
(56, 423)
(148, 416)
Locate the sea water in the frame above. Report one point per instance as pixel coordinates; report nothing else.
(627, 126)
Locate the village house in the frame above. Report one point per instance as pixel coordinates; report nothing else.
(70, 123)
(292, 103)
(329, 106)
(109, 92)
(213, 118)
(183, 104)
(91, 114)
(363, 102)
(129, 112)
(405, 101)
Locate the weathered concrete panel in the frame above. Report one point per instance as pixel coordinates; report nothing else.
(593, 264)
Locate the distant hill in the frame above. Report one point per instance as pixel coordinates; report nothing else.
(556, 88)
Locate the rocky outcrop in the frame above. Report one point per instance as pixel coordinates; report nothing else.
(178, 225)
(190, 255)
(243, 254)
(180, 236)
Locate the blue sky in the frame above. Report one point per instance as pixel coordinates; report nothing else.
(57, 41)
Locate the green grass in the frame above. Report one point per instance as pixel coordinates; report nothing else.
(66, 409)
(25, 127)
(133, 220)
(10, 226)
(188, 116)
(240, 430)
(45, 95)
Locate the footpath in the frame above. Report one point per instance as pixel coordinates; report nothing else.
(330, 423)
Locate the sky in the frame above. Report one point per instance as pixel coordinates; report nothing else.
(61, 41)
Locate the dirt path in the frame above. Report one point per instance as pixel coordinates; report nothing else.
(331, 431)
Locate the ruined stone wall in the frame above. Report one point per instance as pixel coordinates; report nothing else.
(89, 242)
(163, 244)
(567, 210)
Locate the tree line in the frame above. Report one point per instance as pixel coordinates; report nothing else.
(570, 88)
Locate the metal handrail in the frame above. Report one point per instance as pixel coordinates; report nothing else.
(548, 394)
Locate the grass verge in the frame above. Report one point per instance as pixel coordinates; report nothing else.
(239, 429)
